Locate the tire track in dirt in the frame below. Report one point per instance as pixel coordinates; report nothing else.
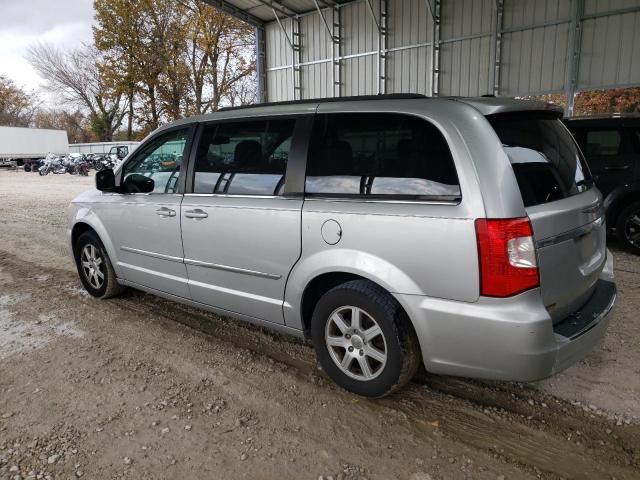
(455, 407)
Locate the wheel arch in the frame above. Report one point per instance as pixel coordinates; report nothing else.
(78, 229)
(325, 270)
(85, 220)
(618, 200)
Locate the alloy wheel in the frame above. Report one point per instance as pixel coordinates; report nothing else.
(356, 343)
(632, 229)
(92, 266)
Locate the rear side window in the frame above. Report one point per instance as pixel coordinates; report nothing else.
(604, 143)
(380, 155)
(544, 156)
(243, 158)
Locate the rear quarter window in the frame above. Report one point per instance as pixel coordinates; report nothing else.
(380, 156)
(544, 156)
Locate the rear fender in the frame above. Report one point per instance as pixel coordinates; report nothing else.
(365, 265)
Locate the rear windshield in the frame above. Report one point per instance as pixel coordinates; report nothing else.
(545, 159)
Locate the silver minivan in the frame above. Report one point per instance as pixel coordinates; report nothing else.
(463, 233)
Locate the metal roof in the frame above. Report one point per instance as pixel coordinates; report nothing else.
(258, 12)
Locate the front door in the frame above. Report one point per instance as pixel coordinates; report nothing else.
(241, 233)
(145, 227)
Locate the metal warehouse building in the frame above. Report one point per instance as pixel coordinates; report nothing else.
(332, 48)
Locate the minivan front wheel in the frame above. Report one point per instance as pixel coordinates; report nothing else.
(628, 227)
(364, 340)
(94, 267)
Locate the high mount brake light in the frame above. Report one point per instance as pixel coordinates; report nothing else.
(507, 256)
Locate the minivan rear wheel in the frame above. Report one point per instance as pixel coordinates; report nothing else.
(364, 340)
(628, 227)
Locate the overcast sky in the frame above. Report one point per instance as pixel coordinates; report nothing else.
(64, 23)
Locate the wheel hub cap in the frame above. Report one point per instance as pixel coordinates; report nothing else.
(357, 342)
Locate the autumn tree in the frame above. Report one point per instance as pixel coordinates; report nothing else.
(17, 107)
(134, 37)
(597, 102)
(76, 123)
(616, 100)
(181, 57)
(78, 78)
(221, 57)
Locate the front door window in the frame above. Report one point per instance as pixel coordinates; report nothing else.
(160, 160)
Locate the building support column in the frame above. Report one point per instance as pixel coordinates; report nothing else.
(336, 52)
(573, 56)
(296, 38)
(497, 47)
(261, 65)
(382, 48)
(435, 47)
(381, 25)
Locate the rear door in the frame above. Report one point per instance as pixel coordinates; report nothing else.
(241, 219)
(564, 206)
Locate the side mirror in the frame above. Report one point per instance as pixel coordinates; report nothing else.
(136, 183)
(122, 152)
(106, 180)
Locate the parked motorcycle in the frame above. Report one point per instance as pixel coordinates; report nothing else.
(95, 160)
(105, 163)
(54, 164)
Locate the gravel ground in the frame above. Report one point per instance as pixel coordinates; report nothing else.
(141, 387)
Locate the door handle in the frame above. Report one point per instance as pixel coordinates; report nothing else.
(197, 213)
(166, 212)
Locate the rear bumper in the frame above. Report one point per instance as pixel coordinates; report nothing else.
(508, 339)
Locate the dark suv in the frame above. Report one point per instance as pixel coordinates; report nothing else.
(612, 148)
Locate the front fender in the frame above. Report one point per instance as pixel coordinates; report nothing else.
(83, 214)
(338, 260)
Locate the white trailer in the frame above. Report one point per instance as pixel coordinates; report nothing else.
(21, 145)
(100, 147)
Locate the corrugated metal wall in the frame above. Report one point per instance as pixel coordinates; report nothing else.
(610, 45)
(535, 39)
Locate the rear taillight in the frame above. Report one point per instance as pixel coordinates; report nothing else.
(507, 256)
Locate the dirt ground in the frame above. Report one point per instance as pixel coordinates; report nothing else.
(140, 387)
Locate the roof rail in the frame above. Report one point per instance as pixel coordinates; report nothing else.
(392, 96)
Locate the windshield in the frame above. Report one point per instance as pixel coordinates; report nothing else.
(545, 159)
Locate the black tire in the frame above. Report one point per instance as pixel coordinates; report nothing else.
(109, 287)
(402, 349)
(627, 232)
(27, 167)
